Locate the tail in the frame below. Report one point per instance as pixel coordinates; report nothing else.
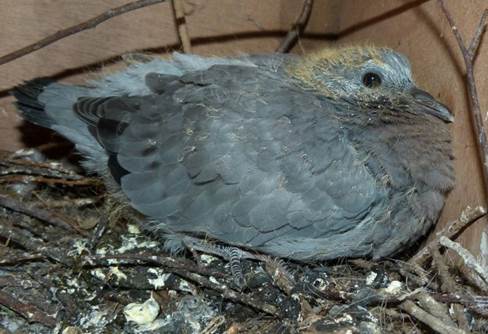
(28, 103)
(50, 105)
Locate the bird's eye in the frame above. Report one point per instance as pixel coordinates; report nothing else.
(371, 80)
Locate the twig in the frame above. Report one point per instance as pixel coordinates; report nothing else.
(468, 216)
(469, 261)
(38, 213)
(91, 23)
(98, 232)
(297, 28)
(36, 246)
(181, 26)
(435, 308)
(18, 259)
(448, 284)
(50, 181)
(469, 55)
(148, 258)
(28, 311)
(13, 165)
(435, 323)
(188, 271)
(476, 304)
(412, 272)
(230, 294)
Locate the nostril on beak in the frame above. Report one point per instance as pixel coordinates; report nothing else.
(430, 105)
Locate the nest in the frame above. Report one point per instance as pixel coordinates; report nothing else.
(72, 261)
(68, 264)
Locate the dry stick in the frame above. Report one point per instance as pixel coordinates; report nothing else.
(49, 181)
(439, 310)
(230, 294)
(297, 28)
(469, 54)
(477, 304)
(14, 165)
(34, 245)
(468, 216)
(181, 26)
(189, 272)
(469, 261)
(448, 284)
(28, 311)
(168, 262)
(435, 323)
(91, 23)
(38, 213)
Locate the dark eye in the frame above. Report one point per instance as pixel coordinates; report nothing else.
(371, 80)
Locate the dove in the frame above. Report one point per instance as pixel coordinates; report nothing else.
(333, 154)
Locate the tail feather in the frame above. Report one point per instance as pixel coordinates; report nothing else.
(50, 105)
(29, 105)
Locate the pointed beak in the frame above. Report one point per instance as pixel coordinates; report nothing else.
(428, 104)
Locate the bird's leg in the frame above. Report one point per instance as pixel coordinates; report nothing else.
(228, 253)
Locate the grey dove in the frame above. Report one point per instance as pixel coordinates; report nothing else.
(333, 154)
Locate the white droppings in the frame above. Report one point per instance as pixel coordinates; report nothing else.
(96, 318)
(185, 286)
(394, 287)
(102, 251)
(73, 282)
(371, 277)
(142, 313)
(346, 317)
(98, 273)
(160, 280)
(207, 259)
(79, 246)
(130, 243)
(213, 280)
(133, 229)
(115, 271)
(112, 262)
(91, 296)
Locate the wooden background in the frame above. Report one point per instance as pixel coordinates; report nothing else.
(227, 27)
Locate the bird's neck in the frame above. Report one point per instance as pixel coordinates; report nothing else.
(410, 154)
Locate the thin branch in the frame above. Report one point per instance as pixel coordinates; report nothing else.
(91, 23)
(468, 216)
(190, 272)
(433, 322)
(28, 311)
(26, 241)
(469, 260)
(49, 181)
(437, 309)
(297, 28)
(468, 54)
(38, 213)
(181, 26)
(448, 284)
(475, 42)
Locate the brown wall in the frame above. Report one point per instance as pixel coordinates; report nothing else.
(416, 28)
(217, 27)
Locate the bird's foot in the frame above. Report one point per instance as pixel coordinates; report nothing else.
(228, 253)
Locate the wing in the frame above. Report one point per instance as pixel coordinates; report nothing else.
(242, 155)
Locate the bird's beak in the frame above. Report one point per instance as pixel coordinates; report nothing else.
(428, 104)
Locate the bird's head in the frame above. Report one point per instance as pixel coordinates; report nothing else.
(378, 80)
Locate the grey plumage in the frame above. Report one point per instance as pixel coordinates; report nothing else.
(335, 154)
